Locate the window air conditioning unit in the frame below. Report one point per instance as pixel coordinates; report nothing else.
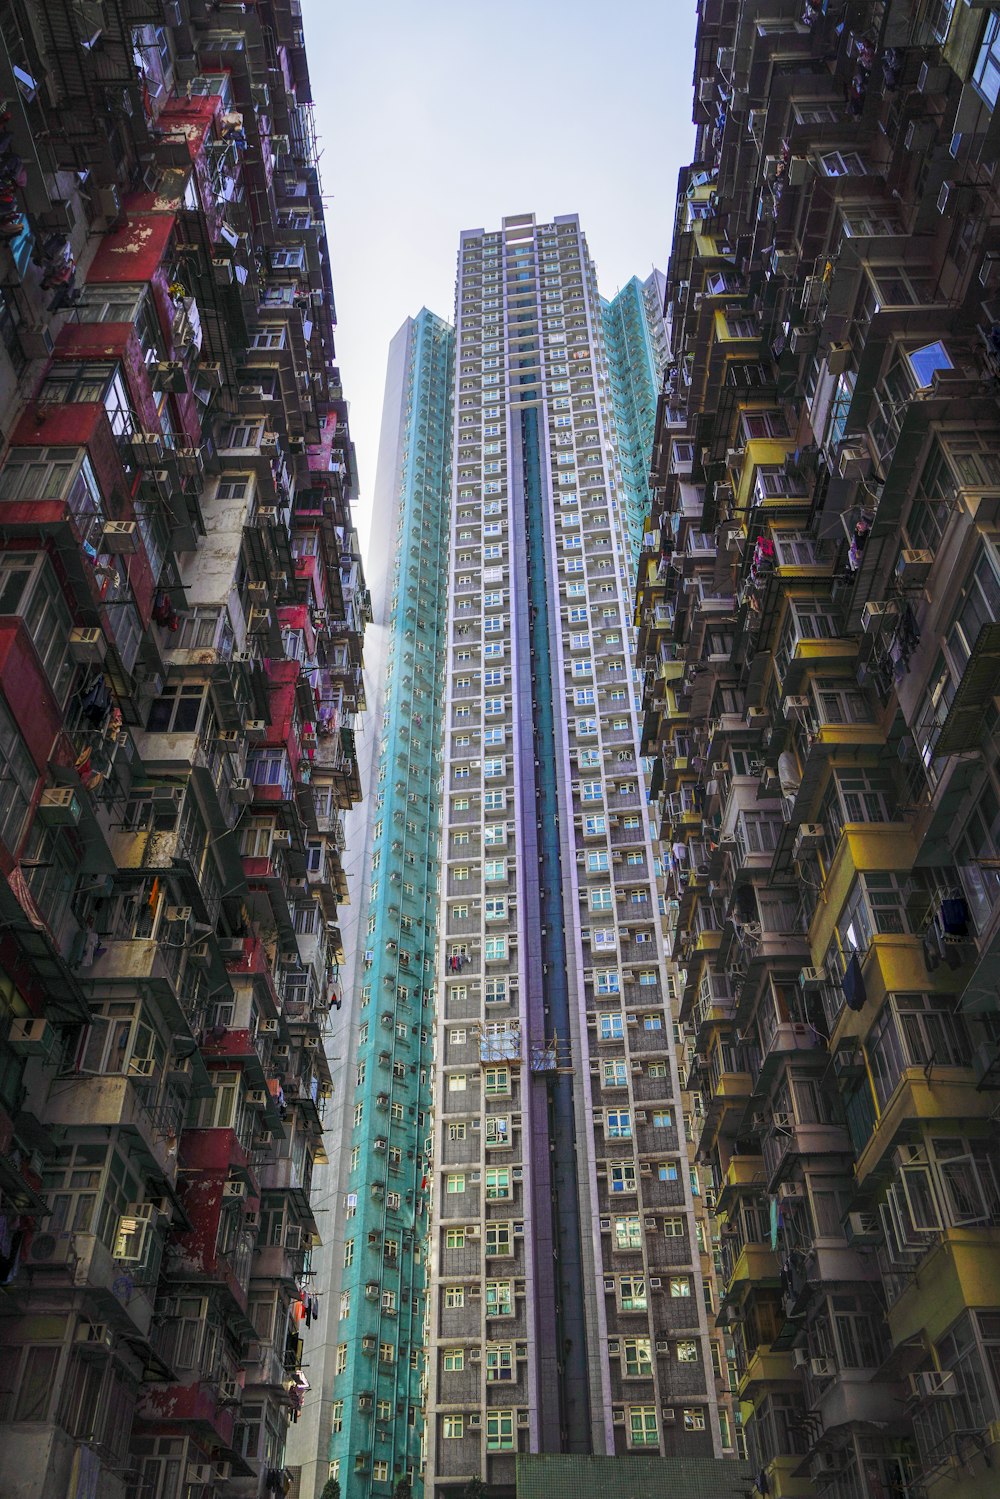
(838, 358)
(822, 1368)
(32, 1038)
(256, 1098)
(236, 1188)
(795, 708)
(281, 838)
(874, 614)
(920, 136)
(914, 565)
(241, 790)
(812, 978)
(59, 807)
(199, 1473)
(87, 647)
(255, 726)
(809, 836)
(177, 913)
(36, 341)
(863, 1228)
(120, 537)
(854, 463)
(800, 1357)
(266, 1027)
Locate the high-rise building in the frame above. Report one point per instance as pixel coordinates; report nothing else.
(637, 345)
(567, 1307)
(819, 602)
(367, 1358)
(181, 615)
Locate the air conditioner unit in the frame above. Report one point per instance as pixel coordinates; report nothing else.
(241, 790)
(267, 515)
(236, 1189)
(94, 1335)
(822, 1368)
(35, 340)
(920, 136)
(800, 1357)
(266, 1027)
(863, 1228)
(931, 1384)
(914, 565)
(87, 647)
(854, 463)
(790, 1191)
(255, 726)
(256, 1098)
(32, 1037)
(838, 358)
(120, 537)
(874, 614)
(227, 736)
(259, 621)
(795, 707)
(809, 836)
(281, 838)
(177, 913)
(199, 1473)
(812, 978)
(59, 807)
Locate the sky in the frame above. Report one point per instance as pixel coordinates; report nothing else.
(443, 116)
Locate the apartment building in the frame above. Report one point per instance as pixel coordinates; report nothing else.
(180, 673)
(566, 1303)
(818, 606)
(368, 1358)
(637, 345)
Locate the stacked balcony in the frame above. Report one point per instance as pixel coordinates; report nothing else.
(817, 604)
(178, 722)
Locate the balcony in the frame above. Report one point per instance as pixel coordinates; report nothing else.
(133, 1104)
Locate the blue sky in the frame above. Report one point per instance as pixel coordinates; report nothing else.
(443, 116)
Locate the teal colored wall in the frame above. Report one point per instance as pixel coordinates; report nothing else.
(635, 342)
(392, 1095)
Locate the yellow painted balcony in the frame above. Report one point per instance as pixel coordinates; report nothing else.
(745, 1173)
(782, 1482)
(863, 847)
(767, 1368)
(892, 964)
(756, 1265)
(962, 1270)
(935, 1094)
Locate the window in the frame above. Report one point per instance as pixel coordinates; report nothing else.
(455, 1183)
(337, 1416)
(499, 1431)
(456, 1082)
(452, 1427)
(667, 1171)
(454, 1296)
(454, 1238)
(986, 72)
(454, 1360)
(687, 1351)
(341, 1364)
(499, 1298)
(663, 1119)
(621, 1176)
(642, 1429)
(694, 1418)
(498, 1184)
(637, 1362)
(680, 1285)
(28, 588)
(495, 949)
(632, 1293)
(618, 1125)
(499, 1362)
(611, 1027)
(496, 1082)
(498, 1239)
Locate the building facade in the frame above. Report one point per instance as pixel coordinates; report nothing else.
(636, 341)
(182, 623)
(818, 601)
(371, 1348)
(566, 1307)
